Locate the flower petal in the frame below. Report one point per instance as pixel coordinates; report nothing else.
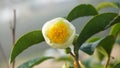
(58, 33)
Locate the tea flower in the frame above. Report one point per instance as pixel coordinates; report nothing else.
(58, 33)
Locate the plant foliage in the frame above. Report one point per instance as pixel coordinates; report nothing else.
(25, 42)
(83, 41)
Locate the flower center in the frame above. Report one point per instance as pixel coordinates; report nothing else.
(58, 33)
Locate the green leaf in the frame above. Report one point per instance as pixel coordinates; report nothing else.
(99, 55)
(68, 50)
(64, 58)
(90, 45)
(118, 40)
(68, 65)
(117, 65)
(80, 11)
(93, 39)
(26, 41)
(106, 45)
(89, 48)
(118, 4)
(95, 25)
(33, 62)
(115, 29)
(91, 63)
(75, 39)
(106, 5)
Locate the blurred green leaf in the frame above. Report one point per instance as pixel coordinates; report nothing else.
(68, 50)
(81, 10)
(92, 39)
(106, 5)
(75, 39)
(115, 29)
(26, 41)
(106, 45)
(118, 4)
(117, 65)
(64, 58)
(33, 62)
(68, 65)
(95, 25)
(99, 55)
(118, 40)
(91, 63)
(97, 66)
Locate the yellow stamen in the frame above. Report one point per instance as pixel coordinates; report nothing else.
(58, 33)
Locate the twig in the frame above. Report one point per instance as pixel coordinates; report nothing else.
(3, 56)
(107, 62)
(13, 32)
(76, 62)
(72, 55)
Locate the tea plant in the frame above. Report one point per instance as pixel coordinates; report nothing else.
(60, 33)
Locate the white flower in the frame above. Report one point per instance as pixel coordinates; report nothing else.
(58, 33)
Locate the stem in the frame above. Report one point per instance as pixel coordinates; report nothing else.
(76, 61)
(107, 62)
(4, 57)
(13, 33)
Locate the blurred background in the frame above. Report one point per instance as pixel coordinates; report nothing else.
(31, 15)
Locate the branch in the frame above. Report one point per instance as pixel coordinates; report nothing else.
(76, 61)
(13, 32)
(4, 57)
(107, 62)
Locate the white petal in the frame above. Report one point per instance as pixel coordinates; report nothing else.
(70, 39)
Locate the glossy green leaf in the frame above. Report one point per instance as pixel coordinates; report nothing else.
(89, 48)
(95, 25)
(33, 62)
(115, 29)
(26, 41)
(81, 10)
(90, 45)
(106, 45)
(117, 65)
(106, 5)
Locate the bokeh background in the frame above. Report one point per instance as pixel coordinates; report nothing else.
(31, 15)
